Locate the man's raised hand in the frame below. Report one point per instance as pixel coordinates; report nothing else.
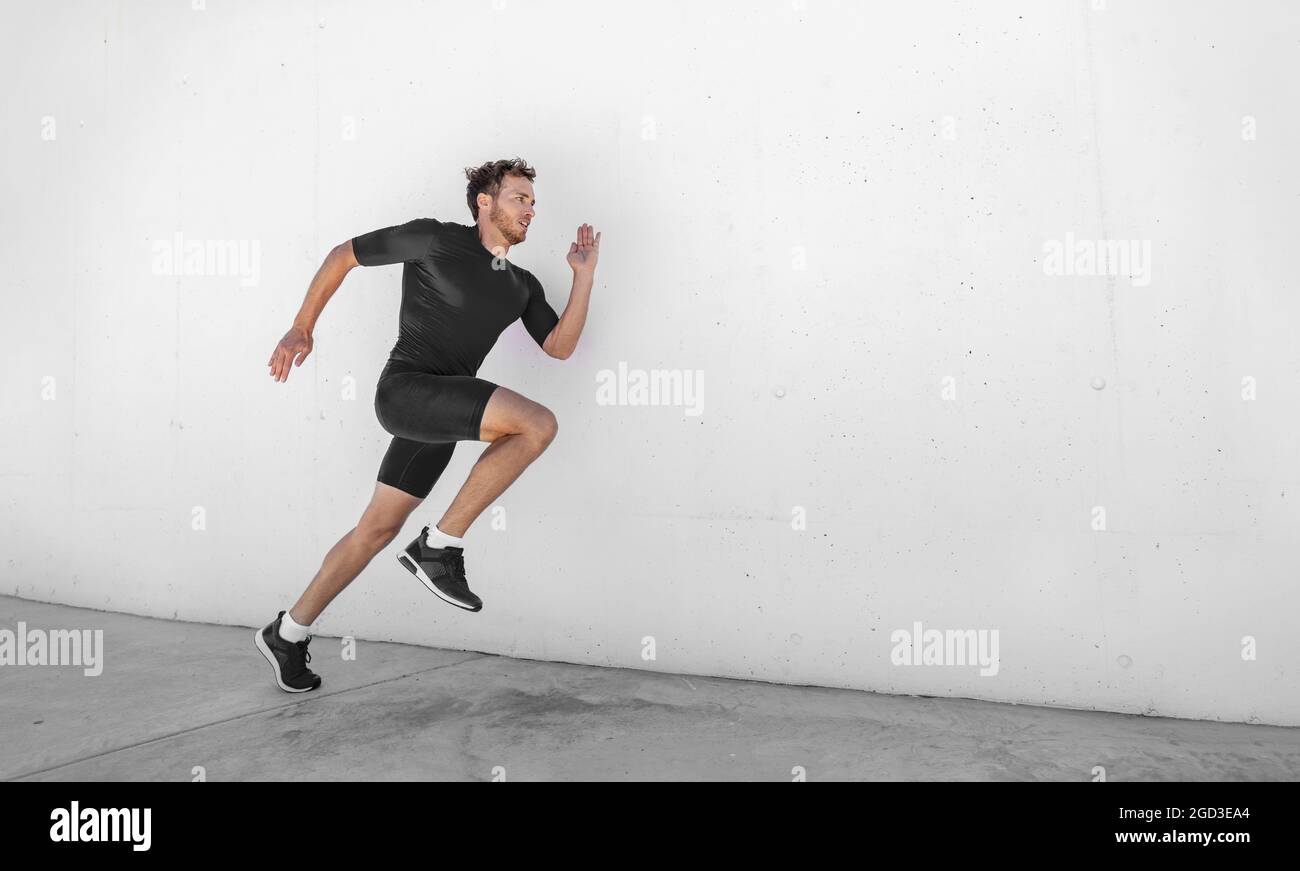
(583, 253)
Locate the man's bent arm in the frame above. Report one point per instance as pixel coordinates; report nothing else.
(563, 338)
(332, 271)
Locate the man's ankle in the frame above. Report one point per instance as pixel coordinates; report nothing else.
(439, 539)
(292, 630)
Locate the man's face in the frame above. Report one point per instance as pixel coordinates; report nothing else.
(513, 208)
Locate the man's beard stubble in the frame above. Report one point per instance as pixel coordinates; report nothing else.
(513, 233)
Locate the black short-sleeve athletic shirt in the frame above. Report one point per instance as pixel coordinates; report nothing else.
(457, 298)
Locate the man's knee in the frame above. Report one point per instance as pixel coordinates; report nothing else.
(377, 535)
(543, 426)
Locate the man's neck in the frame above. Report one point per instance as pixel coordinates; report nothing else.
(491, 239)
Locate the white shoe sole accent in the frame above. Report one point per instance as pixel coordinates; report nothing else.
(414, 568)
(275, 666)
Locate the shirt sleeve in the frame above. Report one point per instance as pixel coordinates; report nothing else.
(538, 317)
(397, 244)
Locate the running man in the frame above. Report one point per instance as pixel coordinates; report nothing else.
(458, 294)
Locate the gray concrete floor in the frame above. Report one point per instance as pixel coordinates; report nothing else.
(180, 695)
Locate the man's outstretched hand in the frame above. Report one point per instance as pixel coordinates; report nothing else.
(293, 349)
(583, 253)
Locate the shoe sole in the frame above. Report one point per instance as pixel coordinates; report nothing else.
(275, 665)
(411, 566)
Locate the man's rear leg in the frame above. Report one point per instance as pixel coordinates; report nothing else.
(284, 644)
(379, 524)
(519, 431)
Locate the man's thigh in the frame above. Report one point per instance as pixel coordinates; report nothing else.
(414, 467)
(508, 412)
(424, 407)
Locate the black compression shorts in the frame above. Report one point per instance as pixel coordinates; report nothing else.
(426, 414)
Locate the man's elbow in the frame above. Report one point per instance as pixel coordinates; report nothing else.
(343, 255)
(553, 349)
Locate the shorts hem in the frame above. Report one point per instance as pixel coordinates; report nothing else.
(480, 408)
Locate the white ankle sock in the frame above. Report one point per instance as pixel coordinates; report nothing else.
(291, 631)
(438, 538)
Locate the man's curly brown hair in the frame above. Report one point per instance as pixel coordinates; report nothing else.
(486, 179)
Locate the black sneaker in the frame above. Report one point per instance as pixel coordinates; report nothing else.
(288, 659)
(441, 570)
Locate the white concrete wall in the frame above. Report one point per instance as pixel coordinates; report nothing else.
(836, 211)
